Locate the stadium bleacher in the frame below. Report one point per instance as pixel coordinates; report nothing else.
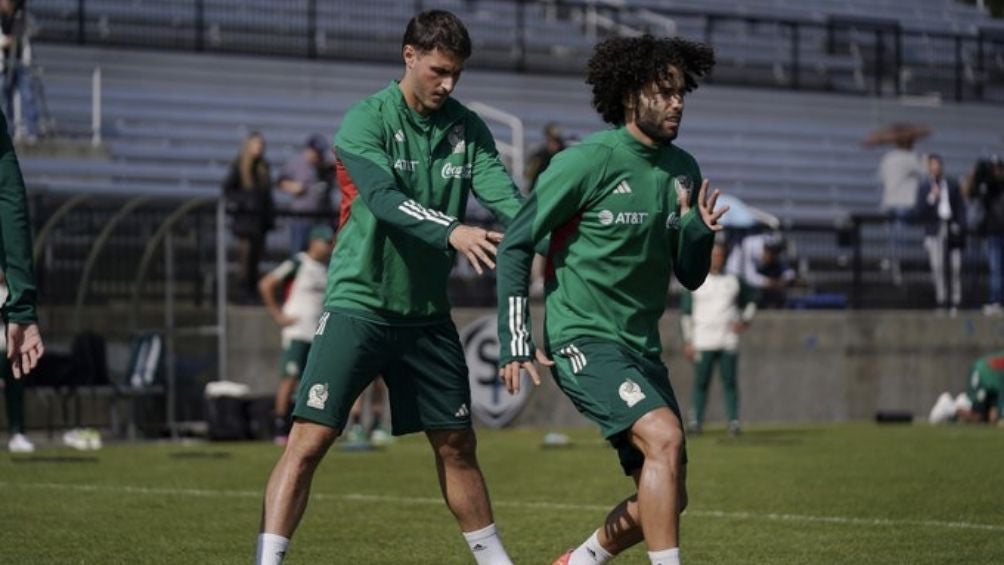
(179, 127)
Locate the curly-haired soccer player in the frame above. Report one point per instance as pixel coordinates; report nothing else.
(620, 216)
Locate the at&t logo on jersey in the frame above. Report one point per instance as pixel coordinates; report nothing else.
(405, 165)
(606, 217)
(451, 171)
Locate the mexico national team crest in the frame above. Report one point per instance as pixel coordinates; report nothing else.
(631, 393)
(456, 138)
(491, 404)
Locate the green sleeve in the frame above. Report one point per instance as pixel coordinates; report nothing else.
(15, 237)
(360, 147)
(492, 185)
(693, 251)
(693, 243)
(561, 193)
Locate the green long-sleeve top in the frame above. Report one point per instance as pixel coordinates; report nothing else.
(405, 181)
(15, 237)
(610, 208)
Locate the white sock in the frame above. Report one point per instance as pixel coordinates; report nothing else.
(271, 549)
(486, 545)
(665, 556)
(590, 553)
(962, 402)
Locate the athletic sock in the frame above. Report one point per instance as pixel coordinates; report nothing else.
(486, 545)
(665, 556)
(271, 549)
(590, 553)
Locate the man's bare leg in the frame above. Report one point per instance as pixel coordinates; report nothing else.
(289, 487)
(463, 488)
(621, 529)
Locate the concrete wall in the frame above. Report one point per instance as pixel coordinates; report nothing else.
(795, 366)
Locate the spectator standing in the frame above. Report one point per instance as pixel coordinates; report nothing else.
(941, 210)
(308, 178)
(900, 172)
(248, 192)
(554, 142)
(985, 188)
(17, 76)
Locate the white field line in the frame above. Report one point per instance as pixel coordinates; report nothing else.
(541, 505)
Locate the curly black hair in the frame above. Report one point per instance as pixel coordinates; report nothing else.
(622, 66)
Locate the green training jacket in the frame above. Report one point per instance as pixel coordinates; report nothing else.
(405, 179)
(610, 207)
(15, 237)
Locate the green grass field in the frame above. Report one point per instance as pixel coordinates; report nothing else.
(836, 494)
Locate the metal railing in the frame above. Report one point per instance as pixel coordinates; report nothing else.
(847, 54)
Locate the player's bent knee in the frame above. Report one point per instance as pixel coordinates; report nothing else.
(309, 442)
(454, 445)
(666, 448)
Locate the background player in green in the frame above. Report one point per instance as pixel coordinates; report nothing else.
(983, 400)
(712, 317)
(619, 211)
(408, 157)
(23, 341)
(302, 280)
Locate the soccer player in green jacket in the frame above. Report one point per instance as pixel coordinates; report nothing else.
(621, 218)
(408, 158)
(24, 342)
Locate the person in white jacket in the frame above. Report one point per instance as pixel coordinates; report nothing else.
(713, 317)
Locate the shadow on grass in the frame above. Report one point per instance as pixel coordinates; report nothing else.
(55, 459)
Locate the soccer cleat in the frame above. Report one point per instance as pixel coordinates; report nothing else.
(76, 439)
(693, 429)
(564, 559)
(943, 410)
(19, 443)
(734, 428)
(93, 438)
(380, 437)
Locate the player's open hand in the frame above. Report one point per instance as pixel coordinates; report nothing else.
(705, 205)
(477, 244)
(510, 373)
(24, 347)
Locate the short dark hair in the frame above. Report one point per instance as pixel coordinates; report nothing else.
(623, 66)
(438, 29)
(935, 157)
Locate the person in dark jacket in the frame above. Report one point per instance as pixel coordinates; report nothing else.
(248, 192)
(941, 210)
(986, 195)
